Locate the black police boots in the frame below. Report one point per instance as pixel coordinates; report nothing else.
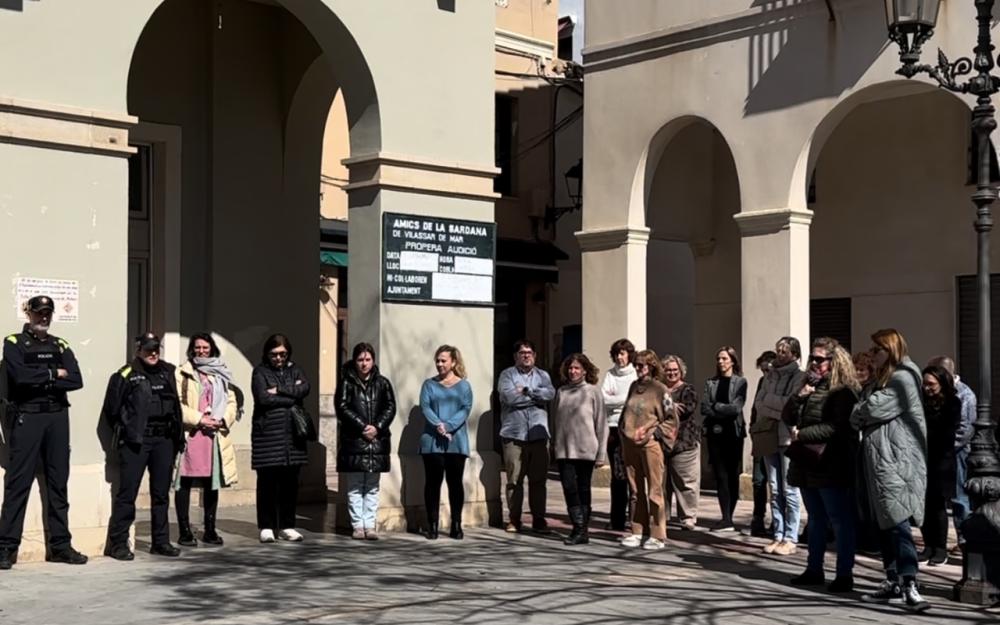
(166, 549)
(8, 558)
(66, 555)
(119, 551)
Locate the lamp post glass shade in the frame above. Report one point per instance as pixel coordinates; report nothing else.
(574, 184)
(911, 15)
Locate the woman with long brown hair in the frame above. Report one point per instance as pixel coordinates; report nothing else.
(579, 429)
(724, 427)
(648, 425)
(890, 417)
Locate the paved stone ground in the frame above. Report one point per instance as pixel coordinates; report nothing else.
(491, 577)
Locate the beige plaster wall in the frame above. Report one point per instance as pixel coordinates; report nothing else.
(893, 224)
(243, 276)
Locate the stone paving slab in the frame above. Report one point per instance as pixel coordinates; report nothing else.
(491, 577)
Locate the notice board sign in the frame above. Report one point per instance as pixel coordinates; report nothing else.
(437, 261)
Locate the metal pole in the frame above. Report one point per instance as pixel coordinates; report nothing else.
(981, 552)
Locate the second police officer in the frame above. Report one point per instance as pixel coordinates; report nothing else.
(145, 411)
(40, 369)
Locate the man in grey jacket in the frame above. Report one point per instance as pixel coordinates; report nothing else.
(525, 391)
(771, 438)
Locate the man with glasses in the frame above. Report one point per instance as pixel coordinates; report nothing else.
(771, 437)
(145, 410)
(525, 391)
(41, 369)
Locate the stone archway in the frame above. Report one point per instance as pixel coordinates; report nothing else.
(690, 194)
(891, 237)
(250, 97)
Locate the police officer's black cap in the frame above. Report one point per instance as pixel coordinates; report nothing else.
(41, 303)
(148, 341)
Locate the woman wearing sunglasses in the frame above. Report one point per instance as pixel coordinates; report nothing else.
(276, 454)
(822, 455)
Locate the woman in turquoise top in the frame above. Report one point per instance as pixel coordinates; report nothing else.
(446, 401)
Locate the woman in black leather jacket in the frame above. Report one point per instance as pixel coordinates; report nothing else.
(278, 384)
(366, 406)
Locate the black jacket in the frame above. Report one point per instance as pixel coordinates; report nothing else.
(360, 404)
(824, 418)
(130, 401)
(942, 422)
(31, 365)
(272, 442)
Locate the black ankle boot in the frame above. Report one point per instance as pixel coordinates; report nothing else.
(456, 530)
(210, 536)
(578, 535)
(432, 530)
(186, 536)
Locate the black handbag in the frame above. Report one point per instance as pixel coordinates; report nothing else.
(303, 428)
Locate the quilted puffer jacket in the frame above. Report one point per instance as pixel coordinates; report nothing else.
(893, 454)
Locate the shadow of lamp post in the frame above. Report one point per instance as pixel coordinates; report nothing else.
(911, 24)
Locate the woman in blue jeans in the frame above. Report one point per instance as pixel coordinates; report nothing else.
(893, 460)
(822, 455)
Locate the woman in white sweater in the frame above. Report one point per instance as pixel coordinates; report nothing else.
(614, 390)
(579, 437)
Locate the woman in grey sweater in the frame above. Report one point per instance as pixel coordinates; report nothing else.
(579, 433)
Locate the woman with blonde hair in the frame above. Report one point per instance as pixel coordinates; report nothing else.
(890, 417)
(446, 401)
(684, 460)
(822, 455)
(579, 429)
(648, 429)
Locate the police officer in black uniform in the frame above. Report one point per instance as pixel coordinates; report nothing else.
(146, 413)
(41, 369)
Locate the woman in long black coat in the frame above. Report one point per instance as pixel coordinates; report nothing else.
(278, 385)
(366, 406)
(943, 411)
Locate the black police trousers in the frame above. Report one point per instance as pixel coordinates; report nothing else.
(156, 453)
(37, 437)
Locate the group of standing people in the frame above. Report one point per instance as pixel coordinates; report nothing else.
(871, 445)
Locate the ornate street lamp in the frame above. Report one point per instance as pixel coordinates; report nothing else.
(911, 23)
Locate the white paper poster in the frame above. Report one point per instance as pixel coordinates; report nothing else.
(65, 296)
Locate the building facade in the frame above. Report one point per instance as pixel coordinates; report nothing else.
(757, 169)
(165, 174)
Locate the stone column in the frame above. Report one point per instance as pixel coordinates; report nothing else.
(614, 287)
(775, 289)
(407, 335)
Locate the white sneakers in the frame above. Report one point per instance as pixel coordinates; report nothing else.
(646, 542)
(267, 536)
(653, 544)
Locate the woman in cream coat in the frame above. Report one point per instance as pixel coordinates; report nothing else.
(209, 410)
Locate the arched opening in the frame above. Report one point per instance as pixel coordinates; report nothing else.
(693, 255)
(892, 243)
(236, 98)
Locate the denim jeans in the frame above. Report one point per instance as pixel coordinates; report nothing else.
(831, 506)
(784, 499)
(362, 499)
(960, 506)
(899, 554)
